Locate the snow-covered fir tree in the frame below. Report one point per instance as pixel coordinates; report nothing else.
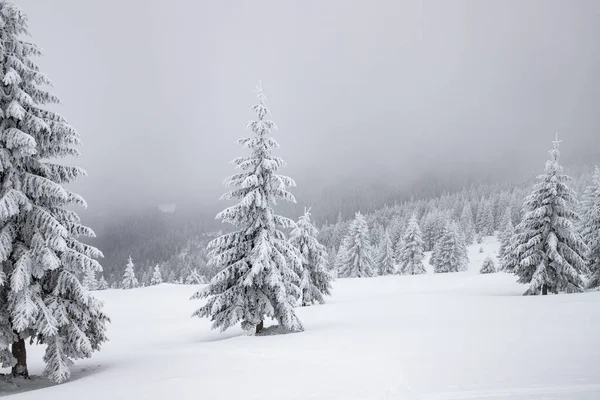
(433, 228)
(385, 256)
(547, 251)
(488, 266)
(102, 284)
(258, 277)
(452, 253)
(171, 277)
(485, 223)
(41, 257)
(358, 257)
(315, 279)
(410, 260)
(466, 224)
(89, 279)
(156, 276)
(591, 228)
(505, 234)
(195, 278)
(129, 279)
(339, 260)
(435, 252)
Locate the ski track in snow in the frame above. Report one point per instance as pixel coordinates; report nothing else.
(425, 337)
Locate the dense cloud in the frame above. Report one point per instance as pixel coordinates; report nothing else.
(374, 91)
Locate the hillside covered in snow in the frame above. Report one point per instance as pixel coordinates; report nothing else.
(462, 335)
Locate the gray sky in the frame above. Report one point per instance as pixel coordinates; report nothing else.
(160, 90)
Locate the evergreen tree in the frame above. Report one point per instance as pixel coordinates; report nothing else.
(194, 278)
(506, 233)
(258, 265)
(102, 284)
(410, 260)
(358, 258)
(435, 253)
(338, 232)
(339, 260)
(41, 257)
(452, 255)
(547, 249)
(89, 279)
(479, 238)
(156, 276)
(466, 224)
(486, 223)
(171, 277)
(488, 266)
(129, 279)
(591, 228)
(385, 256)
(315, 280)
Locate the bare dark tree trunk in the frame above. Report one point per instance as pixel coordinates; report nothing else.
(20, 353)
(544, 289)
(259, 327)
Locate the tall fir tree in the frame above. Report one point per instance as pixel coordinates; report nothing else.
(358, 257)
(410, 260)
(591, 228)
(315, 279)
(89, 279)
(41, 257)
(129, 279)
(505, 234)
(547, 251)
(466, 224)
(452, 256)
(385, 256)
(486, 223)
(259, 267)
(102, 284)
(340, 256)
(156, 276)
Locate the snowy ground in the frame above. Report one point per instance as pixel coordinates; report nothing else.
(434, 337)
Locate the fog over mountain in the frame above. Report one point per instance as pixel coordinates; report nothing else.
(386, 92)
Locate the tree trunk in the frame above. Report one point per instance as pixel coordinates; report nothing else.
(544, 289)
(19, 352)
(259, 327)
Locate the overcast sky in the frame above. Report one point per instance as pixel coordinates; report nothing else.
(160, 90)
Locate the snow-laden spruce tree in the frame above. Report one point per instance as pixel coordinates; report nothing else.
(505, 233)
(485, 222)
(488, 266)
(435, 253)
(452, 256)
(258, 277)
(102, 284)
(315, 279)
(548, 251)
(41, 257)
(466, 223)
(89, 279)
(591, 228)
(385, 256)
(194, 278)
(410, 260)
(340, 256)
(358, 257)
(129, 279)
(156, 276)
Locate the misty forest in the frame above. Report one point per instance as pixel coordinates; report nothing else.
(300, 200)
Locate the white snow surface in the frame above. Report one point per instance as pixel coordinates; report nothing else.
(460, 335)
